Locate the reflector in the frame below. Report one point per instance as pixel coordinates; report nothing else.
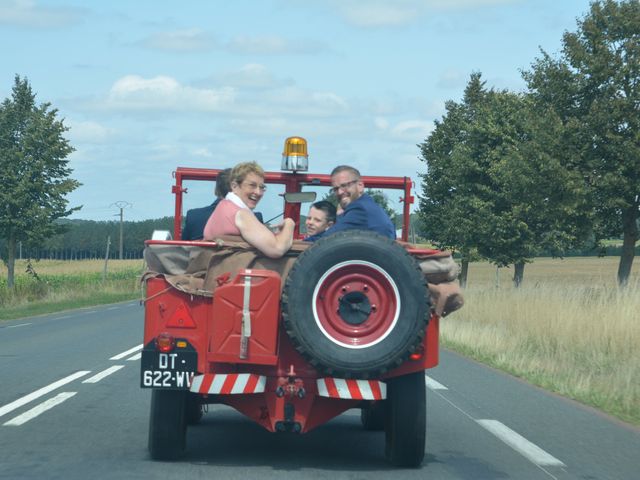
(181, 318)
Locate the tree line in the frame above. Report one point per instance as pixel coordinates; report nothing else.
(512, 174)
(88, 239)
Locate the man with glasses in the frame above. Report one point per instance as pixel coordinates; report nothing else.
(359, 210)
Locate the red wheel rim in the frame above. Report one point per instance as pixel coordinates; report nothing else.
(364, 289)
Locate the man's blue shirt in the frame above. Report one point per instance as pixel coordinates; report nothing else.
(361, 214)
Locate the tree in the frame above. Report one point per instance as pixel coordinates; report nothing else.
(454, 200)
(538, 204)
(33, 172)
(495, 184)
(594, 87)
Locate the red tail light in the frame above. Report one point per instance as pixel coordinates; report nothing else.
(418, 354)
(165, 342)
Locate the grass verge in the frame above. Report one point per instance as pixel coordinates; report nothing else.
(569, 330)
(65, 285)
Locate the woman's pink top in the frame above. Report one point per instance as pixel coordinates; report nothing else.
(222, 221)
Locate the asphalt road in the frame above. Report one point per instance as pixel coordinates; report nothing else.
(71, 408)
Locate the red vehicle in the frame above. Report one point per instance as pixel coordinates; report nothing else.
(346, 322)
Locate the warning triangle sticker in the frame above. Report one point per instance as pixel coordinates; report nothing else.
(181, 318)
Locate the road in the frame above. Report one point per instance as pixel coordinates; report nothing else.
(71, 408)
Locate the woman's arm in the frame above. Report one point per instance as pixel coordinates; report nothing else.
(259, 236)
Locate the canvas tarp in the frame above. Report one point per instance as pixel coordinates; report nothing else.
(198, 270)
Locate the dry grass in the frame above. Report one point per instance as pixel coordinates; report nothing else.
(568, 329)
(71, 267)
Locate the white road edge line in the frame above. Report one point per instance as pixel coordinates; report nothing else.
(137, 356)
(105, 373)
(434, 385)
(520, 444)
(40, 392)
(40, 409)
(128, 352)
(19, 325)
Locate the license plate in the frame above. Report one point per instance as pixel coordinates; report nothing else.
(173, 370)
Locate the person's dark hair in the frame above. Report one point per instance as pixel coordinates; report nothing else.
(328, 208)
(222, 183)
(342, 168)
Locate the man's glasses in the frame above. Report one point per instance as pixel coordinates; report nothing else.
(254, 186)
(343, 186)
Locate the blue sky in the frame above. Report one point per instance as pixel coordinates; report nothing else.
(146, 86)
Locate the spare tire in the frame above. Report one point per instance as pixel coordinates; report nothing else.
(355, 304)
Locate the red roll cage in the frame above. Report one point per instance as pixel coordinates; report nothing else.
(293, 182)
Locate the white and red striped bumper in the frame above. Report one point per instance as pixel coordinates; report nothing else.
(352, 389)
(247, 383)
(228, 383)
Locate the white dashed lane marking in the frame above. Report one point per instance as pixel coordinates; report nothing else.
(40, 409)
(520, 444)
(511, 438)
(40, 392)
(126, 353)
(19, 325)
(105, 373)
(433, 385)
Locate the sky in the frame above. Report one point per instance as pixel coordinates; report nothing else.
(147, 86)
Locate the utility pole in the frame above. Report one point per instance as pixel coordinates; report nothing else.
(121, 204)
(106, 258)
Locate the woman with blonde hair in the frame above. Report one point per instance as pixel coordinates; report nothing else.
(234, 214)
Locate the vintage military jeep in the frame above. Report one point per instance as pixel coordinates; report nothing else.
(350, 321)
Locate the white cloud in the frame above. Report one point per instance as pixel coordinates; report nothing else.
(88, 132)
(266, 125)
(295, 102)
(381, 123)
(26, 13)
(409, 130)
(190, 40)
(251, 75)
(452, 78)
(417, 129)
(273, 45)
(378, 13)
(162, 93)
(202, 152)
(382, 13)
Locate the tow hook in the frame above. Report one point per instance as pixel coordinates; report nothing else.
(290, 385)
(289, 425)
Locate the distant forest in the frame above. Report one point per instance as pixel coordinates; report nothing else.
(87, 239)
